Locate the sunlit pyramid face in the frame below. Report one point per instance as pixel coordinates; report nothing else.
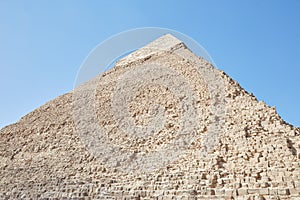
(163, 123)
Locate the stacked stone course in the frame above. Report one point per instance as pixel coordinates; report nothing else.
(256, 157)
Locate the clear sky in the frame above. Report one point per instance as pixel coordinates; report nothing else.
(43, 44)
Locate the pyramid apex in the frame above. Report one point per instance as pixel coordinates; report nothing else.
(166, 42)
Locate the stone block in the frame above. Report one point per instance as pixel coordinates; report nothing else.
(264, 191)
(284, 191)
(253, 191)
(242, 191)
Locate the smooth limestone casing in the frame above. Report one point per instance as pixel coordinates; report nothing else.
(257, 156)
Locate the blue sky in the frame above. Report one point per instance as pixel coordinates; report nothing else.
(43, 44)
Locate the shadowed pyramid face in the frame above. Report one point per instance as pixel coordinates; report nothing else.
(162, 124)
(151, 108)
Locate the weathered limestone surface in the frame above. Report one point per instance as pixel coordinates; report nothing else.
(257, 156)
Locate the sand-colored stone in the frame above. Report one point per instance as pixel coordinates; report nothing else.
(257, 156)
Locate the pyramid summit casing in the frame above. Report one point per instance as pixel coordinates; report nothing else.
(47, 154)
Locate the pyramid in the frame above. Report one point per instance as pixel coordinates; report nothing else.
(161, 124)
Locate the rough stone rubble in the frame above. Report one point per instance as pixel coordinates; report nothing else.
(256, 155)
